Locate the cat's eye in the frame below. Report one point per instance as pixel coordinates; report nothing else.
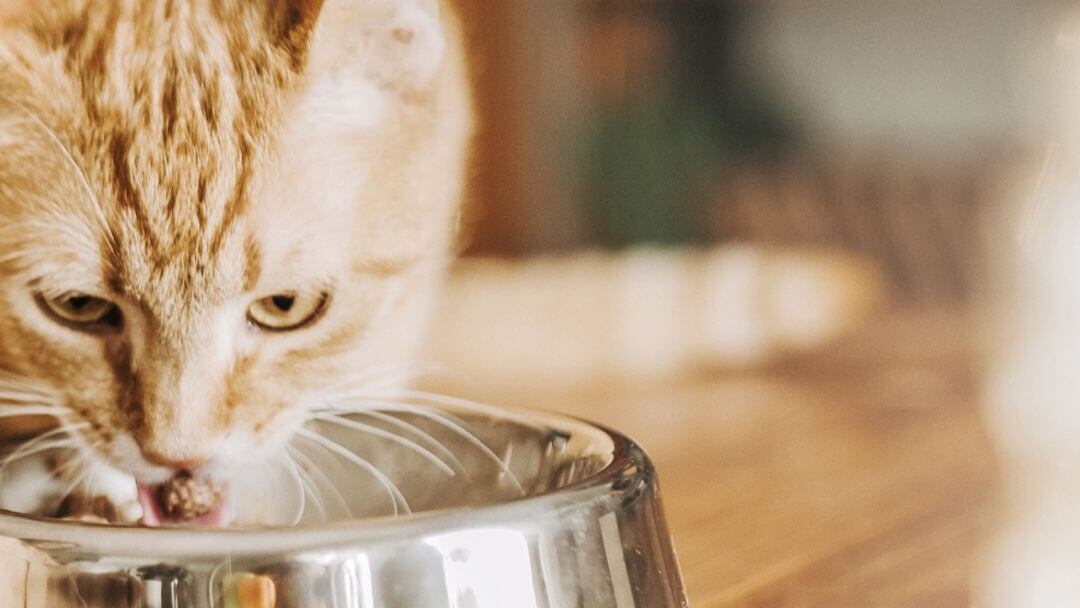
(287, 311)
(81, 310)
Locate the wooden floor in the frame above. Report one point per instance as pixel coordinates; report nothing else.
(861, 476)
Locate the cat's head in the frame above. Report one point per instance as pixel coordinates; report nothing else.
(215, 214)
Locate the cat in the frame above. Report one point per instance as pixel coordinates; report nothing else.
(221, 220)
(213, 215)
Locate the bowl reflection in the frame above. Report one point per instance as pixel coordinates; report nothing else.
(532, 511)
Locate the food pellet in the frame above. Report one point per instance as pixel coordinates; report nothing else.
(245, 590)
(256, 592)
(183, 497)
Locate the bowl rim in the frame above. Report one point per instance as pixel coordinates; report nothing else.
(625, 461)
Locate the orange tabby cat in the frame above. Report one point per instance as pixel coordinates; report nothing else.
(219, 218)
(212, 212)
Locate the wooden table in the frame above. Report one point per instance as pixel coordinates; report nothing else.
(857, 476)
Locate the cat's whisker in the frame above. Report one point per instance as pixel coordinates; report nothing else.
(18, 392)
(316, 494)
(455, 428)
(19, 397)
(79, 479)
(377, 432)
(444, 452)
(11, 379)
(83, 456)
(301, 490)
(335, 449)
(414, 395)
(34, 446)
(71, 463)
(58, 444)
(396, 497)
(314, 469)
(19, 384)
(71, 428)
(91, 482)
(304, 467)
(14, 411)
(81, 460)
(309, 484)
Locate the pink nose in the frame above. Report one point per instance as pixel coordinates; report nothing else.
(180, 465)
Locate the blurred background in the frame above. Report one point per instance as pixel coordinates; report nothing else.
(858, 469)
(875, 126)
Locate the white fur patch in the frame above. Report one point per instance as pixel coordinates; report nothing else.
(29, 485)
(118, 487)
(339, 100)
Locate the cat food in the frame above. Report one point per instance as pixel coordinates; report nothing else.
(245, 590)
(183, 497)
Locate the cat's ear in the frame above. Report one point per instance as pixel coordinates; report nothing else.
(295, 22)
(396, 44)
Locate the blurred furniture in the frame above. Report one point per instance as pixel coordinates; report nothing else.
(619, 122)
(921, 221)
(599, 120)
(520, 51)
(859, 476)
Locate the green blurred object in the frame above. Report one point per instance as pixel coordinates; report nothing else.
(643, 162)
(647, 159)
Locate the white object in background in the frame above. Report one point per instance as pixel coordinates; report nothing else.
(1033, 384)
(646, 313)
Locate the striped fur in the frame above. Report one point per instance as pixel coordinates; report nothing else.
(185, 157)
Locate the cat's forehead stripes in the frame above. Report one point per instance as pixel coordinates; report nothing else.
(176, 105)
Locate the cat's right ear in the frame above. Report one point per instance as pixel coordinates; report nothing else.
(297, 24)
(397, 45)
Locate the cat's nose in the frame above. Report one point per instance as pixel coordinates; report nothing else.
(188, 464)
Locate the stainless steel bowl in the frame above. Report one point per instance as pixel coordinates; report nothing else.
(580, 527)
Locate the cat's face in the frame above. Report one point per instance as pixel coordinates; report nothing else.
(213, 214)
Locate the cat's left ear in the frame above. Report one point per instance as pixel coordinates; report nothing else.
(295, 21)
(396, 44)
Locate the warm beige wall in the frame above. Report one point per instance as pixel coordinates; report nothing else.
(524, 57)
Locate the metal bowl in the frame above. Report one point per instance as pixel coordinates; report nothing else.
(567, 515)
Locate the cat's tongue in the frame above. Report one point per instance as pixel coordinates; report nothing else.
(156, 514)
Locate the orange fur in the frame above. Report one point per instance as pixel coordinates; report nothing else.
(184, 158)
